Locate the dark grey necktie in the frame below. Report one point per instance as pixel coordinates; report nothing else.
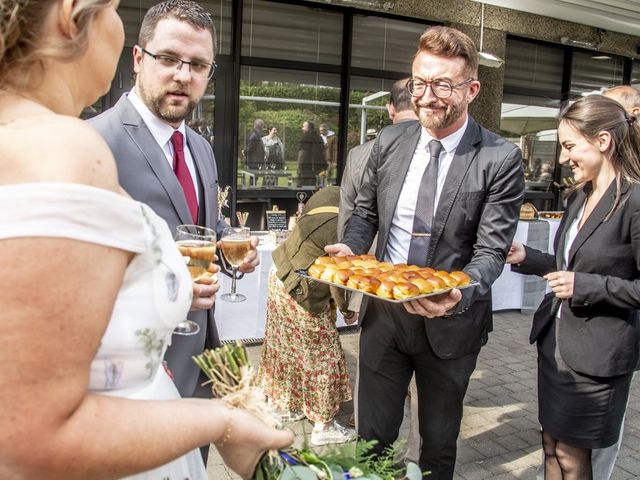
(423, 216)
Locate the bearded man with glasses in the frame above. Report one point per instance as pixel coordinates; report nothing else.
(167, 165)
(444, 193)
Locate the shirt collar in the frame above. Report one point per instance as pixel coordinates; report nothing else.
(450, 142)
(160, 130)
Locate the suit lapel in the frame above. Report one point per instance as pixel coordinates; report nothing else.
(406, 147)
(594, 220)
(149, 148)
(567, 219)
(465, 153)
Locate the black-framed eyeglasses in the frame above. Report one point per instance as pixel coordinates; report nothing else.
(440, 88)
(198, 69)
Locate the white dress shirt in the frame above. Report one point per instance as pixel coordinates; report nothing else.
(402, 223)
(162, 134)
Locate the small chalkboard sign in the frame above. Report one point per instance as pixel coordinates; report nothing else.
(276, 219)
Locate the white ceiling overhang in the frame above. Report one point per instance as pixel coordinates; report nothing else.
(615, 15)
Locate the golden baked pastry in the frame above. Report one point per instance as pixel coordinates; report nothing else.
(393, 282)
(404, 290)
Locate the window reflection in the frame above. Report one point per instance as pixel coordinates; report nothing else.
(296, 104)
(384, 43)
(534, 66)
(291, 32)
(531, 123)
(593, 71)
(635, 73)
(367, 110)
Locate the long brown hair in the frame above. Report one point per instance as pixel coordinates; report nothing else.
(596, 113)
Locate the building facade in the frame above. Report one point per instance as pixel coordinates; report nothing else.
(300, 65)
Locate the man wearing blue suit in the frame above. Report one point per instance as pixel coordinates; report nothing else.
(446, 193)
(146, 130)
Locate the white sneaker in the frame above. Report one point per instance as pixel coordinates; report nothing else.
(334, 433)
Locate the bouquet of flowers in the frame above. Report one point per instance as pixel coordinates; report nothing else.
(232, 379)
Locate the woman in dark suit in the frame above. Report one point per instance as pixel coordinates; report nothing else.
(587, 330)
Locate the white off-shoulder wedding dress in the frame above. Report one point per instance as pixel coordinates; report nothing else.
(155, 293)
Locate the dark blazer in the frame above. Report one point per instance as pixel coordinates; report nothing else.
(473, 227)
(599, 328)
(306, 242)
(145, 174)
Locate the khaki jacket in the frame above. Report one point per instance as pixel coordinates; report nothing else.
(316, 228)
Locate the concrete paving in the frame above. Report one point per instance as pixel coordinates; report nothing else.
(499, 438)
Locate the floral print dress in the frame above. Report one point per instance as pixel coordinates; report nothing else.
(303, 367)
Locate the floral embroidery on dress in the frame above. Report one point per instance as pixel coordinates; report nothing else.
(112, 373)
(153, 348)
(173, 286)
(155, 241)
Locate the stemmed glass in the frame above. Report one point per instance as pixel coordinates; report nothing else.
(198, 245)
(235, 244)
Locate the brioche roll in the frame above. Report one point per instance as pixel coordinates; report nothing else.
(385, 289)
(426, 271)
(344, 264)
(326, 260)
(437, 282)
(385, 266)
(342, 276)
(316, 270)
(410, 274)
(372, 271)
(405, 290)
(396, 277)
(448, 279)
(368, 256)
(422, 284)
(354, 281)
(328, 273)
(461, 277)
(368, 284)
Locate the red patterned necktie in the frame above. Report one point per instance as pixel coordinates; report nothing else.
(183, 174)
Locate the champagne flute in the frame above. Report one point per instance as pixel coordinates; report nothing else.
(235, 244)
(198, 245)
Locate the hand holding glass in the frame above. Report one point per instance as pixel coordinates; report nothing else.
(236, 245)
(198, 245)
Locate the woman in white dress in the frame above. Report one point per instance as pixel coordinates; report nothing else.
(91, 284)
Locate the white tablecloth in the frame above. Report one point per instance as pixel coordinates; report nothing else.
(246, 320)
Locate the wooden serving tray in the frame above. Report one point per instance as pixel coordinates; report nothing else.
(303, 273)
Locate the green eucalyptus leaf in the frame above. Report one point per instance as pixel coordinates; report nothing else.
(304, 473)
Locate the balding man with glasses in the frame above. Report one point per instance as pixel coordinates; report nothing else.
(164, 163)
(444, 193)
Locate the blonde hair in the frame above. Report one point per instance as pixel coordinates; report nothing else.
(22, 52)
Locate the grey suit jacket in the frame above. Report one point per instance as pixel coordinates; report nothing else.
(351, 180)
(473, 226)
(146, 175)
